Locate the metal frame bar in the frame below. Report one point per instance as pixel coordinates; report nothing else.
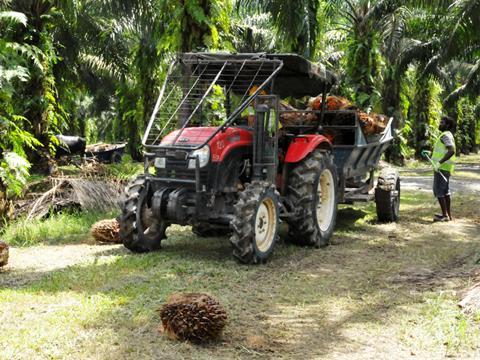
(180, 105)
(157, 104)
(233, 116)
(199, 103)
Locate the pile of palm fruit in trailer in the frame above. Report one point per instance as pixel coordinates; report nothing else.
(370, 123)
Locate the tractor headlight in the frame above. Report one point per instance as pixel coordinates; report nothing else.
(203, 155)
(160, 163)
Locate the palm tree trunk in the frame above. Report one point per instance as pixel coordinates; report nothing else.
(421, 114)
(391, 108)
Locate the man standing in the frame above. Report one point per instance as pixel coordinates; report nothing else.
(443, 164)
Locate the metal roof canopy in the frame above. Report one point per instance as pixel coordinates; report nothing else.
(298, 77)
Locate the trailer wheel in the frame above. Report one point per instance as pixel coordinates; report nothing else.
(139, 230)
(116, 157)
(312, 190)
(255, 223)
(209, 230)
(387, 195)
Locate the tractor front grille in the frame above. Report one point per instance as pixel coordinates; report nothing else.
(178, 169)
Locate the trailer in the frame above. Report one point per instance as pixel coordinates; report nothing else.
(356, 157)
(106, 153)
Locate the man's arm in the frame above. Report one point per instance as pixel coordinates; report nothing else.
(448, 155)
(449, 143)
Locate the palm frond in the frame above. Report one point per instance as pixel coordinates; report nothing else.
(99, 65)
(33, 53)
(14, 17)
(393, 28)
(416, 51)
(472, 84)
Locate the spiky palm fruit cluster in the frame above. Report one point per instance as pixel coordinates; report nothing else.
(372, 123)
(3, 253)
(333, 103)
(193, 316)
(107, 231)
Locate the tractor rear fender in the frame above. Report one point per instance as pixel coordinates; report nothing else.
(303, 145)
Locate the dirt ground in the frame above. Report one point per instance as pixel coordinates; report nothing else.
(381, 291)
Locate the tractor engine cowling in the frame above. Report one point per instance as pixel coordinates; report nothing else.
(221, 144)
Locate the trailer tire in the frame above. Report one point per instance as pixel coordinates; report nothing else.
(387, 195)
(116, 157)
(255, 223)
(313, 179)
(136, 220)
(209, 230)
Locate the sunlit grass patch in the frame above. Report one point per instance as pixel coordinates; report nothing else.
(438, 323)
(469, 159)
(58, 228)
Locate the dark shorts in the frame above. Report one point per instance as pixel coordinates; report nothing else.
(441, 188)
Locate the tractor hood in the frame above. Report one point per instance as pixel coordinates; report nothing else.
(220, 145)
(189, 136)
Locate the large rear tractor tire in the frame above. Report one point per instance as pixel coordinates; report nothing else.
(139, 230)
(312, 190)
(255, 223)
(387, 195)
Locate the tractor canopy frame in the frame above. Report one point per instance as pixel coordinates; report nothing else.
(196, 81)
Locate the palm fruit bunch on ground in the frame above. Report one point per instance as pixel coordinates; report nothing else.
(193, 316)
(106, 231)
(3, 253)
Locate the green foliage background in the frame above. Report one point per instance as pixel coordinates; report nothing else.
(94, 68)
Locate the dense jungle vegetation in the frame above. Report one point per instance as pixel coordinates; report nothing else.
(94, 67)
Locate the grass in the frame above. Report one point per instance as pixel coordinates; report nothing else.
(344, 301)
(60, 228)
(469, 159)
(467, 175)
(380, 291)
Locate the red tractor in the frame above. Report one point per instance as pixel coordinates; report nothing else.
(218, 159)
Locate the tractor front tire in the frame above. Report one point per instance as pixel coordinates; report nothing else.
(139, 231)
(255, 223)
(312, 190)
(387, 195)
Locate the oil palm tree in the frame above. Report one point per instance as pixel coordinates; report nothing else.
(38, 43)
(295, 22)
(131, 43)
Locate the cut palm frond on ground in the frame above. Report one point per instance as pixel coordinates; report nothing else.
(97, 195)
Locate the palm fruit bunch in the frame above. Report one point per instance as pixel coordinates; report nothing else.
(372, 123)
(192, 316)
(106, 231)
(333, 103)
(295, 118)
(3, 253)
